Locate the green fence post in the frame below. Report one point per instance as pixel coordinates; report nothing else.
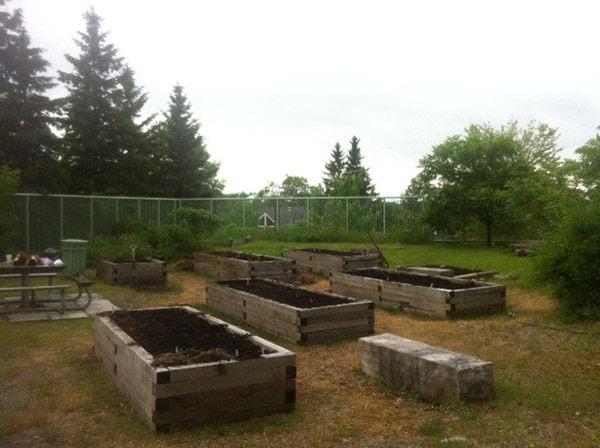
(384, 226)
(158, 213)
(243, 213)
(62, 218)
(307, 214)
(347, 217)
(277, 214)
(91, 216)
(27, 223)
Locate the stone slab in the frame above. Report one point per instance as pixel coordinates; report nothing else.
(436, 374)
(99, 304)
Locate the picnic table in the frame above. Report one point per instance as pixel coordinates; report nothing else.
(29, 301)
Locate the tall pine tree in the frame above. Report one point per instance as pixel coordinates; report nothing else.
(26, 113)
(185, 169)
(334, 168)
(136, 158)
(105, 148)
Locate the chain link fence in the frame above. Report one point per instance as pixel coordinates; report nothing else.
(45, 220)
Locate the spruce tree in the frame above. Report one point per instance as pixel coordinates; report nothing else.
(354, 158)
(26, 113)
(136, 158)
(185, 169)
(334, 168)
(357, 180)
(89, 112)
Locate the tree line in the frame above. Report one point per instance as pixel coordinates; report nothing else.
(343, 175)
(94, 140)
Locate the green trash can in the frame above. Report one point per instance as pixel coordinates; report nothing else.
(74, 254)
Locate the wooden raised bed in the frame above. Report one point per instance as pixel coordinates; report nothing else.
(149, 272)
(447, 271)
(419, 293)
(188, 395)
(234, 265)
(302, 316)
(325, 261)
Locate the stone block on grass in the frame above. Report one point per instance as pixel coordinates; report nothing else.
(437, 375)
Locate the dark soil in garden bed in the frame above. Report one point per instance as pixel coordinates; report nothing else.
(414, 279)
(300, 298)
(457, 271)
(244, 256)
(175, 336)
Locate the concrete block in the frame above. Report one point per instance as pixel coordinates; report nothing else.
(438, 375)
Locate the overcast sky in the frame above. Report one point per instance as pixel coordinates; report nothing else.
(276, 83)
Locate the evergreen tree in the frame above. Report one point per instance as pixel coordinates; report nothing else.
(136, 159)
(91, 151)
(354, 157)
(334, 168)
(185, 167)
(357, 180)
(26, 140)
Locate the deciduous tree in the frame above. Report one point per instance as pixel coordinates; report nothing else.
(487, 175)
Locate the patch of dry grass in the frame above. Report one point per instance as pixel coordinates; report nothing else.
(53, 392)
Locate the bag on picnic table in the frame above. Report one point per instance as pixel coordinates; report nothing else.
(20, 259)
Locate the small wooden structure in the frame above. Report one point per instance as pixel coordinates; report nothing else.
(196, 394)
(420, 293)
(316, 317)
(325, 261)
(148, 272)
(234, 265)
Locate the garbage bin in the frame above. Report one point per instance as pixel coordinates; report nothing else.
(74, 255)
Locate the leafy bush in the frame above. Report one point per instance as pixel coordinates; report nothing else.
(172, 242)
(199, 222)
(570, 262)
(118, 249)
(129, 226)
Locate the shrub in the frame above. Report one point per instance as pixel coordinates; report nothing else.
(569, 262)
(199, 222)
(117, 249)
(172, 242)
(9, 182)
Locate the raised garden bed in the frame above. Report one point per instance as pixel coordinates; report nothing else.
(233, 265)
(325, 261)
(447, 271)
(302, 316)
(148, 272)
(419, 293)
(181, 368)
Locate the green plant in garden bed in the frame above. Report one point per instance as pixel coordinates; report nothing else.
(169, 242)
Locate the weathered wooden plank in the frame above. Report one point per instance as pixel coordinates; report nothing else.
(336, 334)
(218, 383)
(219, 369)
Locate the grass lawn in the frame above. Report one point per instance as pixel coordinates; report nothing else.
(54, 393)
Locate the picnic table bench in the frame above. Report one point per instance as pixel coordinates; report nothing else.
(29, 301)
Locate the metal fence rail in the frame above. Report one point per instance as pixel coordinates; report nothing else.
(45, 220)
